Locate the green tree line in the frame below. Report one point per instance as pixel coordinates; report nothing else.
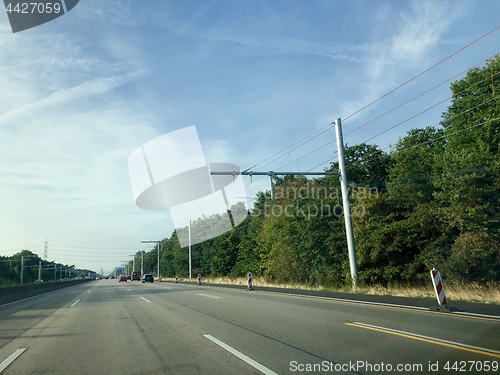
(433, 200)
(27, 264)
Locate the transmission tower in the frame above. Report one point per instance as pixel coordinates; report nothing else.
(45, 250)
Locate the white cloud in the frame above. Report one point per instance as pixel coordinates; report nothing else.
(218, 150)
(415, 33)
(64, 143)
(96, 86)
(74, 103)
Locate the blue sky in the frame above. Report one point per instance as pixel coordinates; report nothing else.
(80, 93)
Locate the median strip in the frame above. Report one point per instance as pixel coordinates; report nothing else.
(11, 358)
(241, 356)
(428, 339)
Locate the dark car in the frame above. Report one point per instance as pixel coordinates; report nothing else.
(123, 278)
(136, 275)
(148, 278)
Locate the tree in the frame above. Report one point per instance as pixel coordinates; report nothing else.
(397, 238)
(412, 166)
(366, 166)
(469, 183)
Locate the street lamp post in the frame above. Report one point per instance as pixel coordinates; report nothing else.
(133, 262)
(22, 269)
(159, 248)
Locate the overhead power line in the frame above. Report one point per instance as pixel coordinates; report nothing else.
(433, 140)
(280, 154)
(438, 124)
(446, 135)
(425, 110)
(316, 134)
(422, 73)
(95, 248)
(291, 148)
(416, 97)
(435, 105)
(313, 135)
(399, 106)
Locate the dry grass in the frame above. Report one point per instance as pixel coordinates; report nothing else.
(454, 292)
(475, 292)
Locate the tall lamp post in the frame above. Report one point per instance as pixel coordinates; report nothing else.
(125, 266)
(133, 262)
(159, 247)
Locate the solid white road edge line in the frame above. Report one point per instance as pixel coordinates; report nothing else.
(346, 300)
(474, 314)
(11, 358)
(241, 356)
(74, 303)
(368, 303)
(430, 338)
(146, 300)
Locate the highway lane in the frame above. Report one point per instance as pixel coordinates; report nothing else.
(162, 328)
(17, 317)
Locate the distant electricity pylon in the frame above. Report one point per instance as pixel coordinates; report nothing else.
(45, 250)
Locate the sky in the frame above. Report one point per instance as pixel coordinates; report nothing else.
(257, 78)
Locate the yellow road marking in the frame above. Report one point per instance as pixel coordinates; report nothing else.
(430, 340)
(384, 306)
(208, 296)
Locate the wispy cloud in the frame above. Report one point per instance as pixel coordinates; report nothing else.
(65, 139)
(96, 86)
(77, 97)
(407, 50)
(191, 28)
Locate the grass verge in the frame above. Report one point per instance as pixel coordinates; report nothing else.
(472, 292)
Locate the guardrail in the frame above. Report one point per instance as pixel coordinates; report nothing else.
(16, 293)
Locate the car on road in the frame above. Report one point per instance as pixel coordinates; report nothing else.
(148, 278)
(136, 275)
(123, 278)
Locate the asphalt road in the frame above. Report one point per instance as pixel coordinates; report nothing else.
(107, 327)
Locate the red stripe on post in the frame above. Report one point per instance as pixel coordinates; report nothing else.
(439, 287)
